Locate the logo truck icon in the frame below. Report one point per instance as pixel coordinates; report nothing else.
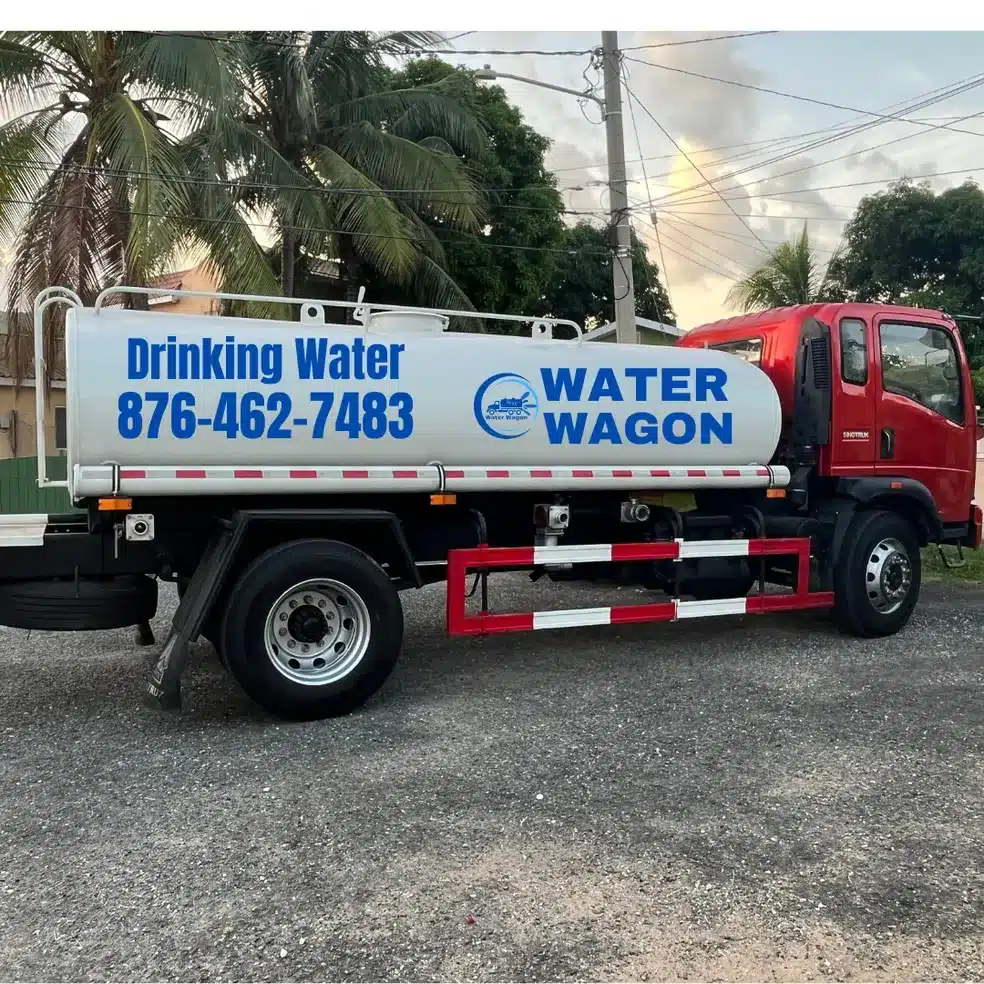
(510, 406)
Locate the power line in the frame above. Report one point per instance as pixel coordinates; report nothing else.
(778, 195)
(748, 143)
(322, 231)
(790, 95)
(412, 50)
(51, 166)
(734, 237)
(696, 262)
(698, 246)
(933, 96)
(718, 37)
(659, 244)
(690, 161)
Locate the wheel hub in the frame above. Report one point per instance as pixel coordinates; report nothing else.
(888, 576)
(307, 624)
(317, 632)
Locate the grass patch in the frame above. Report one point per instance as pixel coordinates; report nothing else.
(934, 570)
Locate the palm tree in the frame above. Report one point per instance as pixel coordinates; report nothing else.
(789, 275)
(351, 168)
(96, 185)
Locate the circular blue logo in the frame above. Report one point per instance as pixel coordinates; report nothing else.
(506, 405)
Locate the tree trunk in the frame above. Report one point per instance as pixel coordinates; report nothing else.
(135, 302)
(288, 254)
(351, 271)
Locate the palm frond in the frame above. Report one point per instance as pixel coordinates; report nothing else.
(134, 146)
(788, 276)
(436, 183)
(363, 211)
(28, 155)
(22, 71)
(424, 111)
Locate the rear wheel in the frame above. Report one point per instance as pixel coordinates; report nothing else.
(877, 579)
(312, 629)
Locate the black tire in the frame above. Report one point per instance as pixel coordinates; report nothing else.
(92, 604)
(855, 584)
(256, 594)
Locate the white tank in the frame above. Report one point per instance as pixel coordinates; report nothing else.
(153, 389)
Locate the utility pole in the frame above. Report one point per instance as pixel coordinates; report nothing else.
(611, 108)
(625, 325)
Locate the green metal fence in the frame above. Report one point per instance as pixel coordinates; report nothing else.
(19, 492)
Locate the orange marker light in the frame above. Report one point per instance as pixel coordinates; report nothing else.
(775, 493)
(115, 505)
(444, 499)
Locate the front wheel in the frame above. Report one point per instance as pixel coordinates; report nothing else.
(877, 579)
(312, 629)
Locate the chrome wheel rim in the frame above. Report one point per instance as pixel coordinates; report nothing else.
(317, 632)
(888, 576)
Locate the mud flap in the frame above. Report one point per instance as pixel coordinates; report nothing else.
(164, 687)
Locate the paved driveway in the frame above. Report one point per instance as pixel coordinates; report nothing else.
(758, 799)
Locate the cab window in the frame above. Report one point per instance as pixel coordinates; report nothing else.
(920, 362)
(748, 349)
(854, 351)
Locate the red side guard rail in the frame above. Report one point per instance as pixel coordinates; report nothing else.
(483, 558)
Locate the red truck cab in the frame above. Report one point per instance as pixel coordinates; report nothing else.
(893, 385)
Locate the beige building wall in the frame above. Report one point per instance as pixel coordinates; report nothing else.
(197, 278)
(17, 408)
(17, 418)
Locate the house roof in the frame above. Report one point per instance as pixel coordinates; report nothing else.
(170, 281)
(644, 324)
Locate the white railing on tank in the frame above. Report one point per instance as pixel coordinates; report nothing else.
(540, 329)
(46, 299)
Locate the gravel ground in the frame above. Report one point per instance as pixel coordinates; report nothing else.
(743, 799)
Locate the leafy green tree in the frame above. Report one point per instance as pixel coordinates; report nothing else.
(358, 168)
(909, 245)
(581, 287)
(507, 267)
(789, 275)
(94, 183)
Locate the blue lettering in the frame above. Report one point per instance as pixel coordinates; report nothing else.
(564, 426)
(311, 356)
(605, 429)
(376, 361)
(137, 358)
(340, 367)
(675, 385)
(605, 384)
(719, 427)
(641, 377)
(672, 434)
(710, 381)
(642, 428)
(211, 359)
(562, 386)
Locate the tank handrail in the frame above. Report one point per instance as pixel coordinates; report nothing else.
(45, 299)
(541, 327)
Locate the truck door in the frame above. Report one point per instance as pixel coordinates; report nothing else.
(925, 418)
(853, 439)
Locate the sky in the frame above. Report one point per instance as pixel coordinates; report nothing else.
(705, 245)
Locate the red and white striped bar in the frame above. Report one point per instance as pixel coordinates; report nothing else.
(460, 562)
(90, 480)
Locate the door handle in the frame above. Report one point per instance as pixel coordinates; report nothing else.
(887, 443)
